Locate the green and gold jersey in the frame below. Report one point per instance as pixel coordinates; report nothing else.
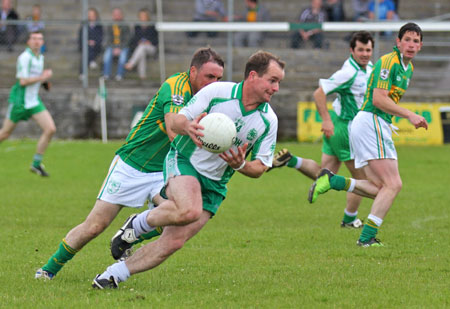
(390, 74)
(147, 143)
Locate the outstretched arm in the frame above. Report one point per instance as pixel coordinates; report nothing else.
(382, 100)
(320, 98)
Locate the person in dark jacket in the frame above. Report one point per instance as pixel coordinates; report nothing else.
(95, 38)
(8, 33)
(144, 42)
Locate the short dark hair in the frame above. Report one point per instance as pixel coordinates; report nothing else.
(204, 55)
(363, 37)
(34, 32)
(410, 27)
(259, 62)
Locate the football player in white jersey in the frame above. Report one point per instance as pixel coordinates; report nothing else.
(350, 84)
(196, 179)
(24, 100)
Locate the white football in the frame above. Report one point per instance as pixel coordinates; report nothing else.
(219, 132)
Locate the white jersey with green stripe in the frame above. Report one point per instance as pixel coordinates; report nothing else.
(28, 65)
(350, 84)
(257, 127)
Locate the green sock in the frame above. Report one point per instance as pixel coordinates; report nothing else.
(370, 230)
(156, 232)
(348, 219)
(339, 183)
(37, 159)
(292, 162)
(59, 258)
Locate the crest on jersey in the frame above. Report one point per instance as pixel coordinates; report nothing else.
(177, 99)
(384, 74)
(251, 134)
(239, 123)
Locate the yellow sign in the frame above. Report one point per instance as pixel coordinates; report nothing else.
(309, 124)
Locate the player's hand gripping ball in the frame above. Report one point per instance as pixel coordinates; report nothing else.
(219, 132)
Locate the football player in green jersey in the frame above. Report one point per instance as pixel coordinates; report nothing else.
(135, 175)
(24, 100)
(371, 134)
(350, 84)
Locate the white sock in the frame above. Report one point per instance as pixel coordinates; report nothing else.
(352, 185)
(299, 162)
(350, 214)
(140, 224)
(375, 219)
(118, 270)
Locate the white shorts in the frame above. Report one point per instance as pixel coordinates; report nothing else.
(126, 186)
(371, 139)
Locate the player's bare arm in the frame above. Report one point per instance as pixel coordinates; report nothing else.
(382, 100)
(320, 98)
(253, 169)
(181, 125)
(46, 74)
(168, 117)
(237, 161)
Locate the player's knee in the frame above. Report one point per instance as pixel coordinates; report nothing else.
(4, 135)
(397, 186)
(50, 131)
(94, 229)
(189, 215)
(394, 186)
(174, 245)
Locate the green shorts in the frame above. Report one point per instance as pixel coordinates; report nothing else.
(213, 192)
(18, 112)
(338, 145)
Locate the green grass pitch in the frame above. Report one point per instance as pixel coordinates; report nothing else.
(266, 248)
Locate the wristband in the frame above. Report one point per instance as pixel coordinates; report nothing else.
(241, 167)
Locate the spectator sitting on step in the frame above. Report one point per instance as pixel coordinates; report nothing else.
(144, 42)
(117, 39)
(94, 36)
(334, 10)
(8, 33)
(254, 12)
(312, 14)
(360, 10)
(209, 11)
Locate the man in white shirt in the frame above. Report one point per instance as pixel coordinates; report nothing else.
(195, 178)
(24, 100)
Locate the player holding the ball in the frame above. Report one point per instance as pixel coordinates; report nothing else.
(196, 179)
(135, 175)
